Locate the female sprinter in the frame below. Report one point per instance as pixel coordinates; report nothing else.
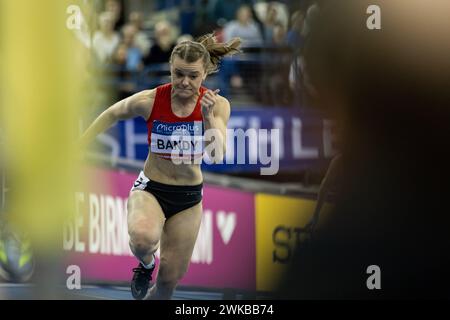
(165, 203)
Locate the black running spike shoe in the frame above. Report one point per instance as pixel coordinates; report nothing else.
(141, 281)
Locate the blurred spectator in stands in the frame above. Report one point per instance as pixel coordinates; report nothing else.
(271, 13)
(245, 28)
(140, 39)
(279, 35)
(299, 80)
(276, 70)
(123, 84)
(105, 39)
(227, 10)
(115, 7)
(164, 43)
(251, 33)
(133, 54)
(269, 23)
(294, 36)
(311, 15)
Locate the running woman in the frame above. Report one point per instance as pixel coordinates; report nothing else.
(165, 202)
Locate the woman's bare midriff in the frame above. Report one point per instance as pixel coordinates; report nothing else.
(167, 172)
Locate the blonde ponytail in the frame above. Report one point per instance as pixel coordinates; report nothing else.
(219, 50)
(207, 48)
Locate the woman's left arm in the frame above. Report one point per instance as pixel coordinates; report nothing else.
(216, 113)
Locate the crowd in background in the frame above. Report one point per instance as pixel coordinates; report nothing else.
(134, 47)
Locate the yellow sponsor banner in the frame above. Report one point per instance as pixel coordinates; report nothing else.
(280, 223)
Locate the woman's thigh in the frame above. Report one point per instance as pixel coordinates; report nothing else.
(144, 213)
(178, 240)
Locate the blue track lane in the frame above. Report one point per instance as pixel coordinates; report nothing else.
(25, 291)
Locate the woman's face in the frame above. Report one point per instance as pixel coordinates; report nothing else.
(186, 77)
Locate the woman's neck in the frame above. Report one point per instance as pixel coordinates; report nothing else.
(184, 101)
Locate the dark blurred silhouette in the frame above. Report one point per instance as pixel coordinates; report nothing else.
(389, 91)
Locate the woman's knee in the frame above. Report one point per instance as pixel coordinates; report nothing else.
(143, 238)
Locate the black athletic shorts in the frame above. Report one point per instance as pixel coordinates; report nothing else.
(172, 199)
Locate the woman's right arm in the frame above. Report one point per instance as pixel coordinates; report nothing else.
(139, 104)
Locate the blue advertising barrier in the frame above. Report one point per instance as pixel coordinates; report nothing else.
(305, 140)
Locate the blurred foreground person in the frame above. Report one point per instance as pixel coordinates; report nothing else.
(388, 89)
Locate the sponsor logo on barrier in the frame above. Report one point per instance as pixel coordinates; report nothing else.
(226, 223)
(278, 235)
(107, 233)
(105, 228)
(203, 249)
(285, 241)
